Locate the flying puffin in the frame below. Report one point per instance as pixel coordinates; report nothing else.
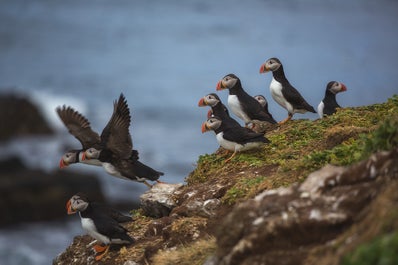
(115, 149)
(217, 109)
(235, 139)
(100, 222)
(283, 92)
(80, 128)
(242, 104)
(329, 104)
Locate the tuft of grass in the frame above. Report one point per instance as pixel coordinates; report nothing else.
(194, 254)
(244, 188)
(382, 250)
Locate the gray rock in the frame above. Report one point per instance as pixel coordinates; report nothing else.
(288, 222)
(159, 200)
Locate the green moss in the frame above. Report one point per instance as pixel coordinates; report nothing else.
(383, 250)
(300, 147)
(242, 189)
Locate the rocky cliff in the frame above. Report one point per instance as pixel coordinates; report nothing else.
(322, 192)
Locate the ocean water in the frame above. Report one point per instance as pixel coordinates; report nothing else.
(164, 56)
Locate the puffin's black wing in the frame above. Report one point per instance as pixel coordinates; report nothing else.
(112, 213)
(294, 97)
(78, 126)
(116, 136)
(110, 228)
(254, 109)
(242, 136)
(135, 170)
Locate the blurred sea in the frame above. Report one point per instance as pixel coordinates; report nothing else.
(164, 56)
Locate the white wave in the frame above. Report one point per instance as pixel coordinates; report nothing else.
(47, 102)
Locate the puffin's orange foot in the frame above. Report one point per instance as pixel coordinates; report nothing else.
(289, 117)
(100, 256)
(99, 248)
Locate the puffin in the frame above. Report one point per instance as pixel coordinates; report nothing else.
(260, 126)
(329, 104)
(80, 128)
(283, 92)
(100, 222)
(217, 109)
(235, 139)
(241, 103)
(115, 149)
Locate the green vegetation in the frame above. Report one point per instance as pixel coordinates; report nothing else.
(383, 251)
(303, 146)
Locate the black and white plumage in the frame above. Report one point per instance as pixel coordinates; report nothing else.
(241, 103)
(283, 92)
(329, 103)
(115, 151)
(100, 222)
(80, 128)
(235, 139)
(218, 109)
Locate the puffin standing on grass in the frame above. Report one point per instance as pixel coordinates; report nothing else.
(100, 222)
(242, 104)
(115, 150)
(80, 128)
(235, 139)
(329, 104)
(283, 92)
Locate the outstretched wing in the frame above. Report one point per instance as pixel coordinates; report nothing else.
(78, 126)
(116, 136)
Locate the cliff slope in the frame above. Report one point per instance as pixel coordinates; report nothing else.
(323, 192)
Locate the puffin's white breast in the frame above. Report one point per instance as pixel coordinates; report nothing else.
(321, 107)
(89, 227)
(236, 108)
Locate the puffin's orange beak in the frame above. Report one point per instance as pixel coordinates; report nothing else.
(220, 86)
(343, 87)
(62, 164)
(263, 68)
(202, 102)
(209, 113)
(69, 208)
(204, 127)
(84, 156)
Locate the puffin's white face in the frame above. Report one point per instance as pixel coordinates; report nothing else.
(67, 159)
(272, 64)
(76, 204)
(228, 81)
(261, 99)
(336, 87)
(212, 123)
(92, 153)
(211, 100)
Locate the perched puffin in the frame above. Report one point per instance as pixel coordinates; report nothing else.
(242, 104)
(115, 150)
(260, 126)
(80, 128)
(217, 109)
(329, 104)
(100, 222)
(283, 92)
(234, 139)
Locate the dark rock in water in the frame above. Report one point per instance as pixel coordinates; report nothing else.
(36, 195)
(20, 117)
(282, 226)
